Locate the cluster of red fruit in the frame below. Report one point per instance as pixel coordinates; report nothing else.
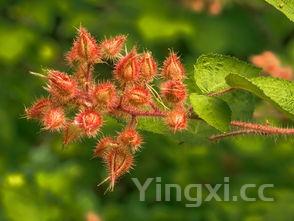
(76, 104)
(214, 7)
(271, 65)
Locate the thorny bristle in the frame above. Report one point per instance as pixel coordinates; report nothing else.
(173, 91)
(127, 69)
(173, 69)
(112, 47)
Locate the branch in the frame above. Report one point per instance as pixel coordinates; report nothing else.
(246, 127)
(263, 128)
(134, 112)
(253, 128)
(233, 134)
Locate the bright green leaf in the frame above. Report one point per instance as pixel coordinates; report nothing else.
(211, 70)
(277, 91)
(285, 6)
(212, 110)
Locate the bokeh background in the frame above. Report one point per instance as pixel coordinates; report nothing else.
(41, 181)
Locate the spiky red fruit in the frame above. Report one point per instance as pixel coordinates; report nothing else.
(137, 96)
(89, 122)
(283, 73)
(54, 119)
(104, 95)
(215, 7)
(177, 119)
(82, 73)
(71, 133)
(61, 86)
(37, 110)
(173, 69)
(173, 91)
(271, 65)
(127, 68)
(267, 60)
(130, 138)
(91, 216)
(197, 5)
(84, 49)
(148, 67)
(118, 163)
(105, 145)
(111, 47)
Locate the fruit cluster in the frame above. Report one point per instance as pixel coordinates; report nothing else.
(213, 7)
(77, 104)
(271, 65)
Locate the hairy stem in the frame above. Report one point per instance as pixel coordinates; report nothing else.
(233, 134)
(253, 128)
(132, 112)
(266, 129)
(88, 76)
(246, 127)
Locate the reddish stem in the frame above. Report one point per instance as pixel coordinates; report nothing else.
(248, 128)
(88, 76)
(233, 134)
(263, 128)
(132, 112)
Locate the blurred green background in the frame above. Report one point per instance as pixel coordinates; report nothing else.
(41, 181)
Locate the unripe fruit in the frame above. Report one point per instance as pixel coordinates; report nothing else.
(105, 145)
(137, 96)
(177, 119)
(37, 110)
(111, 47)
(130, 138)
(148, 67)
(85, 49)
(54, 119)
(118, 163)
(127, 68)
(104, 95)
(89, 122)
(61, 86)
(173, 91)
(173, 69)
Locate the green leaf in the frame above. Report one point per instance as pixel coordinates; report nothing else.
(154, 125)
(277, 91)
(285, 6)
(211, 70)
(242, 103)
(214, 111)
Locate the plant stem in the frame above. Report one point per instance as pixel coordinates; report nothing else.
(263, 128)
(88, 76)
(233, 134)
(133, 112)
(253, 128)
(246, 127)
